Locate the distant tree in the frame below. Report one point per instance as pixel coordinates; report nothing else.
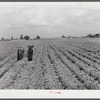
(2, 38)
(26, 37)
(12, 38)
(21, 37)
(97, 35)
(89, 35)
(63, 36)
(38, 37)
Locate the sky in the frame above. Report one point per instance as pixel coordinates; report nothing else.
(49, 19)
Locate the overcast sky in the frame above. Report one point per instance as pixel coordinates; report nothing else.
(49, 19)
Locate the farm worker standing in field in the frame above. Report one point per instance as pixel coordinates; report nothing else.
(30, 53)
(20, 53)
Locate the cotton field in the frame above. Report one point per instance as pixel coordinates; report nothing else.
(65, 64)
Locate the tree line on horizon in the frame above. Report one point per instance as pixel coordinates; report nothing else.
(89, 35)
(26, 37)
(93, 35)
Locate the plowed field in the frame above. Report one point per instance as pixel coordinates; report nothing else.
(71, 64)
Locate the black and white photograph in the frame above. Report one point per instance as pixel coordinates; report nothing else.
(50, 46)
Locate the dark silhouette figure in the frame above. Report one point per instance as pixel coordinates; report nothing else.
(20, 53)
(30, 53)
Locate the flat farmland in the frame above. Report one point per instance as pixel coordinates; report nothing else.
(65, 64)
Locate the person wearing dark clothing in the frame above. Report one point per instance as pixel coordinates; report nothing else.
(20, 53)
(30, 53)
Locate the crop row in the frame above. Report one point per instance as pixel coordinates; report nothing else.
(78, 61)
(90, 61)
(80, 74)
(67, 78)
